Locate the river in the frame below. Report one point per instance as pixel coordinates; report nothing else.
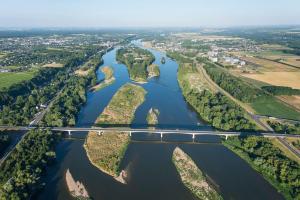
(152, 174)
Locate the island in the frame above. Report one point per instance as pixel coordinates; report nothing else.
(152, 116)
(108, 80)
(106, 151)
(137, 61)
(192, 177)
(163, 60)
(153, 71)
(76, 188)
(123, 105)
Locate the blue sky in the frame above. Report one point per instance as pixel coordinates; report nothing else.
(145, 13)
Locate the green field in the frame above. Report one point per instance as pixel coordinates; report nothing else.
(10, 78)
(269, 106)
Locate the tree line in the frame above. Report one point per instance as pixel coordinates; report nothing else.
(20, 174)
(281, 90)
(263, 156)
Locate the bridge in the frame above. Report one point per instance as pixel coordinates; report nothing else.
(162, 132)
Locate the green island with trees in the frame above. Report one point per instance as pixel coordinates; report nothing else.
(137, 61)
(192, 177)
(21, 172)
(270, 161)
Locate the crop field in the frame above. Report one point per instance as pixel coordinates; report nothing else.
(291, 100)
(9, 78)
(289, 79)
(54, 65)
(268, 65)
(272, 107)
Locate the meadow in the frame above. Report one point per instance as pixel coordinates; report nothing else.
(10, 78)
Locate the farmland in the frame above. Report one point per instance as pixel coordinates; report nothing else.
(9, 78)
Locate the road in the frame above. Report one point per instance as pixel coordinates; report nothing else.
(289, 146)
(254, 117)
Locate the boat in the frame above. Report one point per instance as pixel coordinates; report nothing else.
(163, 60)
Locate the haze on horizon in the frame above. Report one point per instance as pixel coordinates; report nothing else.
(141, 13)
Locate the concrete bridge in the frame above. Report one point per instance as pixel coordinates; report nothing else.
(162, 132)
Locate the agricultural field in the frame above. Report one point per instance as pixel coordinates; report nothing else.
(54, 65)
(289, 79)
(291, 100)
(9, 78)
(270, 106)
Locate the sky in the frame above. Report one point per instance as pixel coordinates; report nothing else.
(145, 13)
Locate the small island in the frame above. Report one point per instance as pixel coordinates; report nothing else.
(137, 61)
(152, 116)
(163, 60)
(123, 105)
(76, 188)
(108, 80)
(192, 177)
(153, 71)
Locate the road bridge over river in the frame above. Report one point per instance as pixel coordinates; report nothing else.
(162, 132)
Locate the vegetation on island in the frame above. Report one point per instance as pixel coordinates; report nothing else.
(153, 70)
(137, 61)
(270, 161)
(214, 108)
(123, 105)
(21, 172)
(192, 177)
(152, 116)
(108, 80)
(106, 151)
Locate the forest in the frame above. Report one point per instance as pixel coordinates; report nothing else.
(20, 174)
(267, 159)
(285, 128)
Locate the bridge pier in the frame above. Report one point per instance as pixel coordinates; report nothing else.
(161, 136)
(129, 133)
(69, 133)
(193, 137)
(226, 137)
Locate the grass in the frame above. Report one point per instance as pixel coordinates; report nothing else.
(123, 105)
(289, 79)
(192, 177)
(269, 106)
(106, 151)
(10, 78)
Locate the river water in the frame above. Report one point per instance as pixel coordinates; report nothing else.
(152, 174)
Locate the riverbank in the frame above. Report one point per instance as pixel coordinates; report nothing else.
(123, 105)
(152, 116)
(192, 177)
(268, 160)
(106, 151)
(108, 80)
